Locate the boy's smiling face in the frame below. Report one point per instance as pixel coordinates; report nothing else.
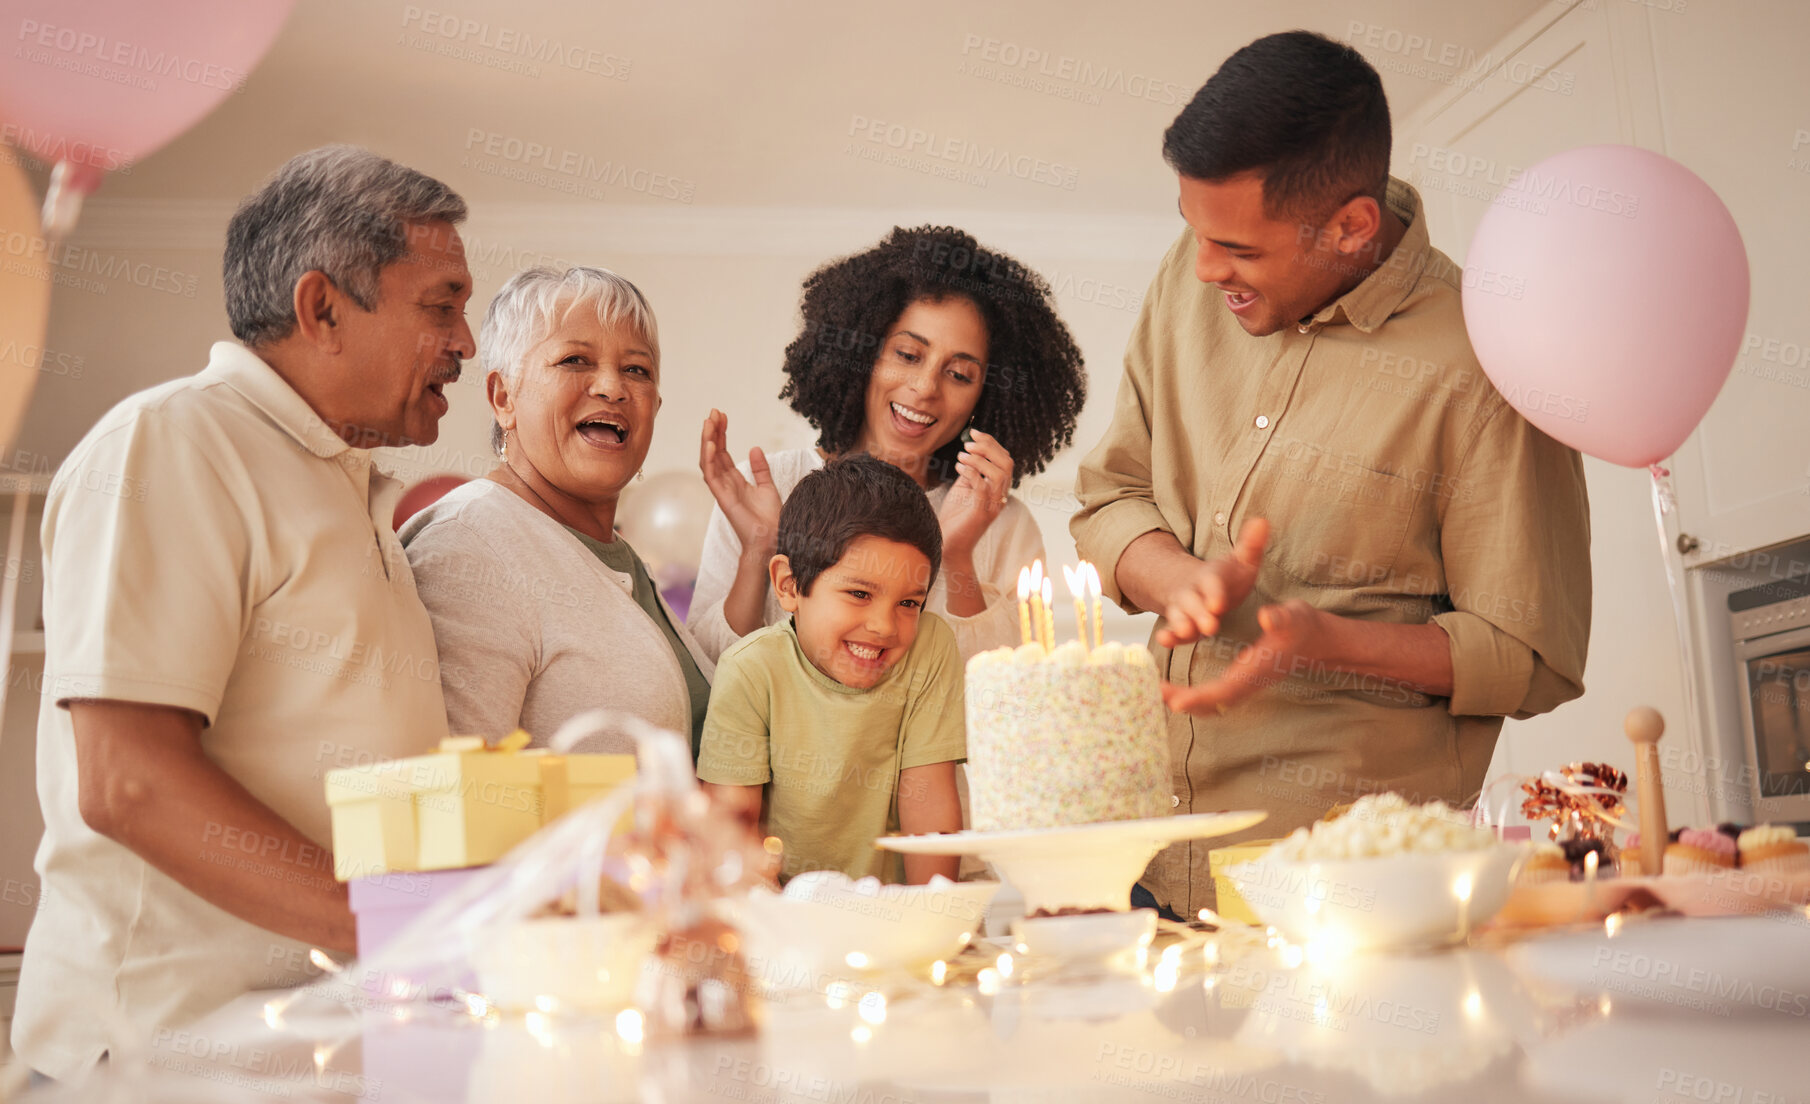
(862, 612)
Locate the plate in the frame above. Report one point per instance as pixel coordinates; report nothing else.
(1161, 830)
(1719, 966)
(1729, 893)
(1086, 937)
(1079, 865)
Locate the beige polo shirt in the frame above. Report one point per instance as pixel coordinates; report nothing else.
(210, 545)
(1401, 487)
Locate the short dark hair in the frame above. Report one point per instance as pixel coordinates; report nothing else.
(1305, 111)
(856, 496)
(1035, 384)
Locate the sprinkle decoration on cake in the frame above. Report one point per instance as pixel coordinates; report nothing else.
(1070, 735)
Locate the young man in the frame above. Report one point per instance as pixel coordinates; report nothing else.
(845, 721)
(229, 616)
(1363, 556)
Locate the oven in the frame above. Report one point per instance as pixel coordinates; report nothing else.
(1771, 626)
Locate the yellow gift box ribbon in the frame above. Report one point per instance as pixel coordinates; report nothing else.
(513, 742)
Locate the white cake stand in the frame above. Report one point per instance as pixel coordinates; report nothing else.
(1087, 866)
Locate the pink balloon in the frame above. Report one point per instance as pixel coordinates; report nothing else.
(420, 496)
(1606, 294)
(101, 83)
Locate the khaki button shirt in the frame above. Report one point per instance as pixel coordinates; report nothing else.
(1401, 488)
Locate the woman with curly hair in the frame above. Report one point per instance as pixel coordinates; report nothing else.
(940, 357)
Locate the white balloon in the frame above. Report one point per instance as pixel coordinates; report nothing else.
(664, 516)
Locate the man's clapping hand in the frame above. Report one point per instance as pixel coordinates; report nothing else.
(1214, 588)
(1197, 605)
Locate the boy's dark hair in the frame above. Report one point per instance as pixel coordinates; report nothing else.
(1307, 112)
(856, 496)
(1035, 383)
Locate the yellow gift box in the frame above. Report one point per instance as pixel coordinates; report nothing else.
(568, 781)
(465, 805)
(373, 820)
(1231, 905)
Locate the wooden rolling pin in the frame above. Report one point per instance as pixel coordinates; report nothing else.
(1644, 726)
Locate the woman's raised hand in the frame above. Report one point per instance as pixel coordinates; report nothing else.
(983, 479)
(752, 508)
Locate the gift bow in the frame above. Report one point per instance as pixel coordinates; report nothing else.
(513, 742)
(1585, 794)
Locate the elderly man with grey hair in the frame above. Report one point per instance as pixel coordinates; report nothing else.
(540, 607)
(229, 615)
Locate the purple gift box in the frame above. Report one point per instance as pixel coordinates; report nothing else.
(431, 1056)
(384, 904)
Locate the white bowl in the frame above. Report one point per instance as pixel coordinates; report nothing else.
(588, 963)
(1384, 902)
(825, 927)
(1085, 937)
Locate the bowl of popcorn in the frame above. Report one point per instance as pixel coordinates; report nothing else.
(1384, 875)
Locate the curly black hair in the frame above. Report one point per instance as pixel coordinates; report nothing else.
(1035, 383)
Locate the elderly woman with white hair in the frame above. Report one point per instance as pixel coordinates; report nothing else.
(540, 609)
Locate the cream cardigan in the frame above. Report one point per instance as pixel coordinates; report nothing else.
(532, 627)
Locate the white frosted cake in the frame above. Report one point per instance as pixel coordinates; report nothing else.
(1069, 736)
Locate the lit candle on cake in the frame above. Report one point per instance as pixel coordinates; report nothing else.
(1076, 578)
(1049, 615)
(1024, 608)
(1093, 588)
(1037, 601)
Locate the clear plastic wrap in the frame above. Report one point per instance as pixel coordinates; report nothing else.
(589, 930)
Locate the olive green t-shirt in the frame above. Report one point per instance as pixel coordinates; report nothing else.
(619, 556)
(829, 755)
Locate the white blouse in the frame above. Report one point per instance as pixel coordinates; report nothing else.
(1011, 542)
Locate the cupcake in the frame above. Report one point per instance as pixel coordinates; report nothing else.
(1771, 849)
(1700, 851)
(1630, 856)
(1577, 854)
(1546, 864)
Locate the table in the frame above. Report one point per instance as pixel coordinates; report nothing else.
(1233, 1019)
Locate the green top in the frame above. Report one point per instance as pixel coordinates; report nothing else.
(830, 755)
(619, 556)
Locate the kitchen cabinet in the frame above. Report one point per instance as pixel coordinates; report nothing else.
(1717, 87)
(1720, 87)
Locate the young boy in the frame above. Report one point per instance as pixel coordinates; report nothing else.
(845, 722)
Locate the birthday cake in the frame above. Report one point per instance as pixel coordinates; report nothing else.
(1063, 736)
